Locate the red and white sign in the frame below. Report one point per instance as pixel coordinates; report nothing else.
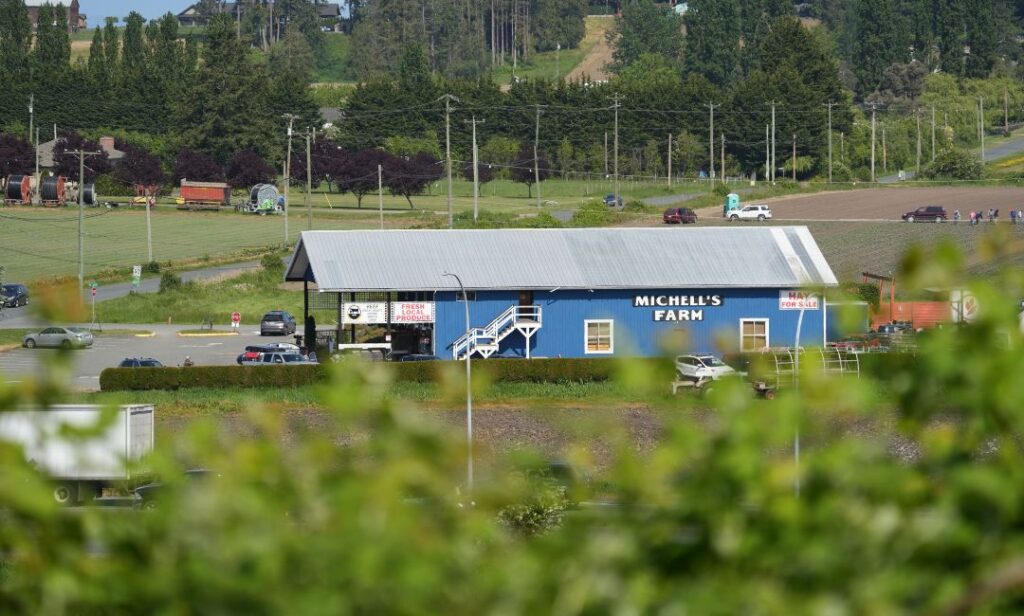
(412, 312)
(236, 317)
(798, 300)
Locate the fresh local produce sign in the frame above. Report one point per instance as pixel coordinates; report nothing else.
(412, 312)
(677, 307)
(797, 300)
(375, 313)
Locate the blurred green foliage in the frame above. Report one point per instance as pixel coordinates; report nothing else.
(911, 500)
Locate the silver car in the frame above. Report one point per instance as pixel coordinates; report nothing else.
(270, 359)
(64, 337)
(702, 367)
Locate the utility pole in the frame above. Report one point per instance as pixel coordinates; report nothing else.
(380, 194)
(606, 154)
(885, 152)
(81, 219)
(794, 157)
(476, 171)
(1006, 112)
(981, 126)
(536, 157)
(711, 141)
(830, 104)
(917, 114)
(873, 142)
(842, 147)
(670, 160)
(291, 117)
(933, 133)
(767, 153)
(309, 183)
(722, 167)
(448, 98)
(615, 152)
(31, 115)
(773, 142)
(36, 187)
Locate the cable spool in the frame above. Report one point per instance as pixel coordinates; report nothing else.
(89, 194)
(19, 189)
(263, 192)
(52, 189)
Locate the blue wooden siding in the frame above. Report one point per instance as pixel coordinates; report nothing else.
(635, 330)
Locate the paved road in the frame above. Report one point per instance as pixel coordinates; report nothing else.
(165, 345)
(152, 285)
(1014, 146)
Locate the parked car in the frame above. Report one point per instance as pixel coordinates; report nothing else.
(13, 295)
(928, 213)
(612, 201)
(751, 212)
(140, 362)
(277, 322)
(417, 357)
(679, 215)
(64, 337)
(252, 352)
(896, 327)
(270, 359)
(702, 367)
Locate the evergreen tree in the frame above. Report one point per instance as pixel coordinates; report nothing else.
(882, 40)
(133, 55)
(112, 43)
(646, 28)
(97, 64)
(52, 52)
(15, 39)
(713, 39)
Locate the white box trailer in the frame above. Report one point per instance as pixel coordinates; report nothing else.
(63, 442)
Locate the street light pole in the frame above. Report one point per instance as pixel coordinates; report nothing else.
(469, 391)
(291, 117)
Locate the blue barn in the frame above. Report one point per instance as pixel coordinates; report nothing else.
(566, 292)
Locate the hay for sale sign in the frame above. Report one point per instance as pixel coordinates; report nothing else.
(798, 300)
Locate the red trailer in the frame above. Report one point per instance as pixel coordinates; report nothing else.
(18, 190)
(203, 195)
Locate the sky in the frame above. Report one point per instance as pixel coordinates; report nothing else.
(150, 9)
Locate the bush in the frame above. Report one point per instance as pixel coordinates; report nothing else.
(107, 186)
(151, 268)
(168, 378)
(169, 281)
(956, 164)
(271, 262)
(593, 214)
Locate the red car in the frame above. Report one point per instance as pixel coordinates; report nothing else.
(679, 215)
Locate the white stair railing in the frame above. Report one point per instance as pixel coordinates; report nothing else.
(485, 340)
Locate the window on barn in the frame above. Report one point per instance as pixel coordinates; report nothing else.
(753, 334)
(600, 336)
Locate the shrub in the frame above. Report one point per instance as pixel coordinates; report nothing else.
(169, 281)
(152, 267)
(107, 186)
(954, 163)
(593, 214)
(168, 378)
(271, 262)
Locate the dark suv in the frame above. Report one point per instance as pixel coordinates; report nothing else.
(140, 362)
(13, 295)
(277, 322)
(679, 215)
(929, 213)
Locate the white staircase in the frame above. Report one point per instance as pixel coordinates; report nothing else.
(484, 341)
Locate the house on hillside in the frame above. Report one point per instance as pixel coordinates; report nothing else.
(330, 14)
(75, 20)
(45, 152)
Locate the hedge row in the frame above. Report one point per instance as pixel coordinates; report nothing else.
(141, 379)
(497, 370)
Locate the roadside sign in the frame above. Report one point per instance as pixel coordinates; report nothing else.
(136, 275)
(94, 291)
(236, 319)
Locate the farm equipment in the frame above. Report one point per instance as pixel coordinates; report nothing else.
(263, 199)
(52, 190)
(203, 195)
(18, 190)
(780, 367)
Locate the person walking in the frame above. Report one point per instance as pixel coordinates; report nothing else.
(973, 218)
(1013, 216)
(956, 216)
(995, 215)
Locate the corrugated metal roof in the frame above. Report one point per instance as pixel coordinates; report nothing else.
(602, 258)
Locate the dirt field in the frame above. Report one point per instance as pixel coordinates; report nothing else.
(600, 54)
(891, 203)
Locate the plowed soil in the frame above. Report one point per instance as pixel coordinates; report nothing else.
(891, 203)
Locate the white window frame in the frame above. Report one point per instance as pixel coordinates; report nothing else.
(767, 333)
(611, 336)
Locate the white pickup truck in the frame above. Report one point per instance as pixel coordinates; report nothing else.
(750, 212)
